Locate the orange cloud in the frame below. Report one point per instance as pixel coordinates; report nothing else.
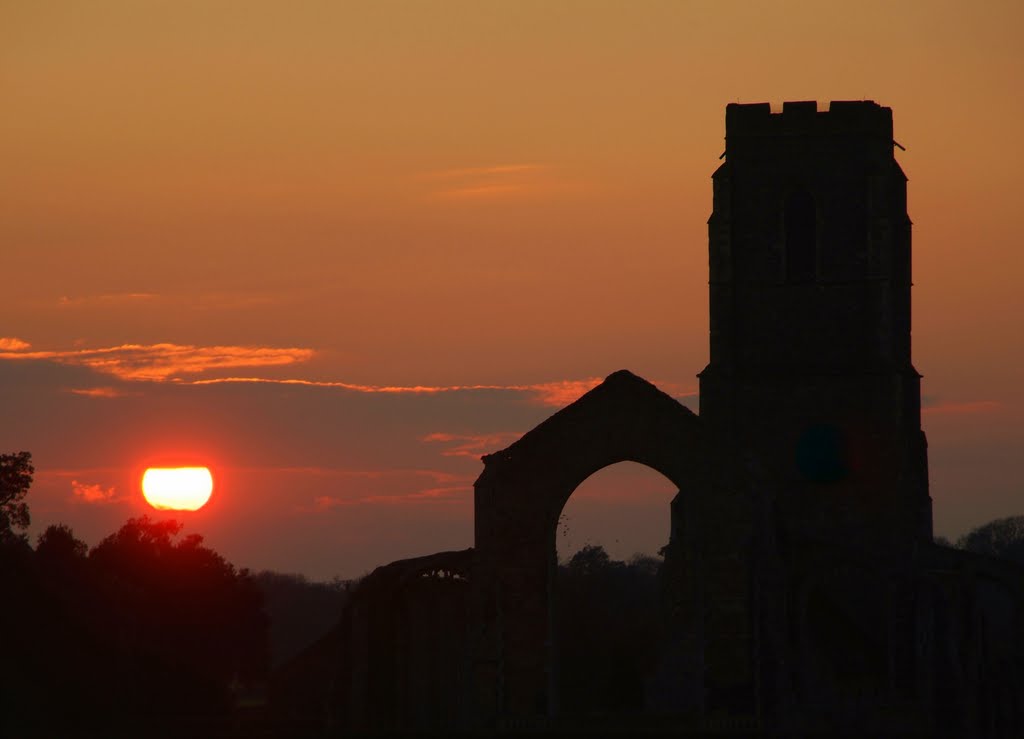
(555, 394)
(435, 494)
(162, 362)
(498, 170)
(92, 493)
(11, 344)
(473, 445)
(355, 387)
(436, 476)
(358, 487)
(157, 362)
(483, 191)
(975, 406)
(563, 392)
(184, 301)
(441, 493)
(498, 181)
(527, 188)
(108, 299)
(98, 392)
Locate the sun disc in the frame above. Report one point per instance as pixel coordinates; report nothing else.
(177, 488)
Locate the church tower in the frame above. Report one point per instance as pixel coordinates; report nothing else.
(810, 375)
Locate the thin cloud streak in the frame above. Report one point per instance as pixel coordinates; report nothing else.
(453, 494)
(74, 472)
(159, 362)
(104, 299)
(500, 169)
(435, 476)
(555, 394)
(968, 407)
(166, 362)
(181, 300)
(523, 189)
(484, 191)
(501, 181)
(99, 392)
(472, 445)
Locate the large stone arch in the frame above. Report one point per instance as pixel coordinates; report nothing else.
(519, 497)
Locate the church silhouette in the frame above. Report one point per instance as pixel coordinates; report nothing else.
(801, 590)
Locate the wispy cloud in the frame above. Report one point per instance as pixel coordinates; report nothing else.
(99, 392)
(495, 182)
(494, 170)
(472, 445)
(347, 487)
(206, 301)
(92, 492)
(437, 477)
(554, 394)
(179, 363)
(66, 301)
(560, 393)
(441, 494)
(11, 344)
(158, 362)
(356, 387)
(492, 190)
(961, 408)
(453, 492)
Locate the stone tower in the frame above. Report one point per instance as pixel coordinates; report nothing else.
(810, 374)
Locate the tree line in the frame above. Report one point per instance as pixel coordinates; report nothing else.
(148, 633)
(151, 633)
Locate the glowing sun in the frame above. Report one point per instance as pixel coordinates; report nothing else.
(177, 488)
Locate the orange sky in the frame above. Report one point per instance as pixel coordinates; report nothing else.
(503, 199)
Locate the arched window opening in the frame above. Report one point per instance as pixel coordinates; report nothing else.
(622, 508)
(801, 220)
(609, 621)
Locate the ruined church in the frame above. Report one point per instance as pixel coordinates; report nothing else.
(800, 589)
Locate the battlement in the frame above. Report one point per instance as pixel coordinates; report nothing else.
(847, 118)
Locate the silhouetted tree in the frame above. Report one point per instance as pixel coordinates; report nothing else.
(147, 634)
(1003, 537)
(181, 610)
(16, 472)
(609, 631)
(591, 560)
(58, 542)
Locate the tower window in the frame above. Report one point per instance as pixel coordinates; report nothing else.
(801, 237)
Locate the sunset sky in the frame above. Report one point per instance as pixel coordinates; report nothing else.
(336, 251)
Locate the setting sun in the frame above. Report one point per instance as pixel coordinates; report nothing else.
(177, 488)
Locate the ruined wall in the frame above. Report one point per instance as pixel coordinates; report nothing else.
(404, 653)
(803, 591)
(518, 500)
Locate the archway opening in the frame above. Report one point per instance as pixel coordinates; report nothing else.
(608, 619)
(623, 508)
